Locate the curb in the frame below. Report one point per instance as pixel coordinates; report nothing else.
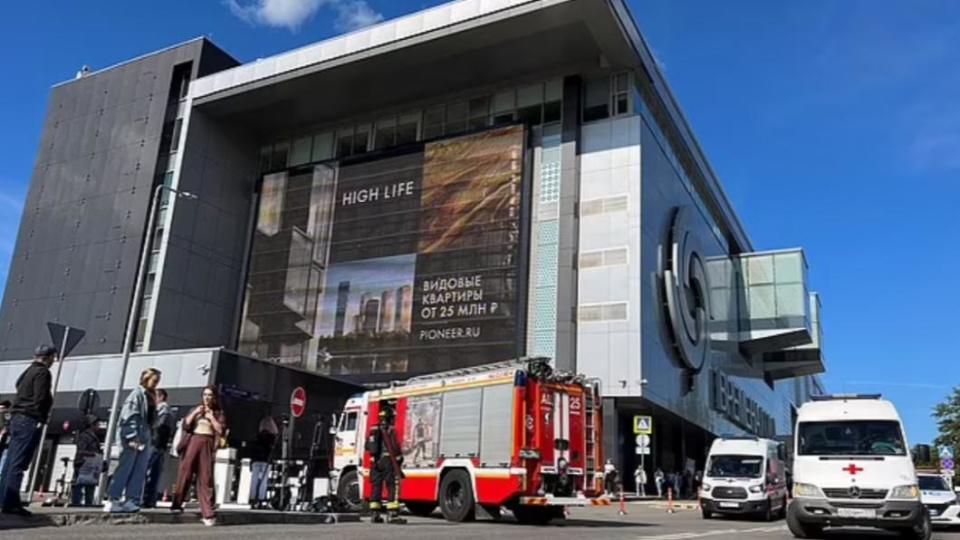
(224, 518)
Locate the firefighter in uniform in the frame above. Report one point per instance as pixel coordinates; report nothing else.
(384, 448)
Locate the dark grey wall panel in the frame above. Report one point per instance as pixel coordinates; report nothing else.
(83, 222)
(203, 268)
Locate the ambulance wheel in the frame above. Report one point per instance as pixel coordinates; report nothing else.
(800, 529)
(456, 496)
(420, 508)
(921, 531)
(348, 489)
(536, 515)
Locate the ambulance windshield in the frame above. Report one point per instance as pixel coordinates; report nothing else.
(851, 438)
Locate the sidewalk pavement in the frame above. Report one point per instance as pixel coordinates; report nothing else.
(65, 517)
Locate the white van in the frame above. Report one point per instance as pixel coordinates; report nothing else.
(745, 476)
(852, 467)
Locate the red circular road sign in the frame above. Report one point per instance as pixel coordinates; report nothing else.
(298, 402)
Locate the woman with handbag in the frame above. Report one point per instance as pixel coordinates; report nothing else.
(204, 430)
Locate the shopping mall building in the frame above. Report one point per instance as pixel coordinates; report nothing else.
(479, 181)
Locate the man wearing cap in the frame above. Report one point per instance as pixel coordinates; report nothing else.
(31, 408)
(384, 448)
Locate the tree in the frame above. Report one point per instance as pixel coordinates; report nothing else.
(948, 421)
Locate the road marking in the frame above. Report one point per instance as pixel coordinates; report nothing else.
(707, 534)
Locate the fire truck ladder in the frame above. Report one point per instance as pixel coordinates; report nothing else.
(516, 363)
(590, 421)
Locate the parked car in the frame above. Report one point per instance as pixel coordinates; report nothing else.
(941, 501)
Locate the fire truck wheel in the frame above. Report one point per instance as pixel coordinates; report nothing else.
(456, 496)
(536, 515)
(419, 508)
(349, 491)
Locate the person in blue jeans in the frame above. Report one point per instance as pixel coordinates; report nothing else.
(134, 437)
(31, 409)
(163, 430)
(260, 461)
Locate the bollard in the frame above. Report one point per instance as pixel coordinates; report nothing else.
(670, 509)
(623, 508)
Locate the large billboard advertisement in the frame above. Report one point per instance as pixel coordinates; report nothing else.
(403, 263)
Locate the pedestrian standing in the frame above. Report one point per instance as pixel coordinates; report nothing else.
(30, 411)
(203, 428)
(659, 479)
(640, 477)
(162, 435)
(609, 477)
(134, 435)
(677, 483)
(87, 463)
(261, 450)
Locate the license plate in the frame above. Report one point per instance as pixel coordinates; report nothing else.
(729, 505)
(867, 513)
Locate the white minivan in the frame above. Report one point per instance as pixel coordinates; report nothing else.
(852, 467)
(745, 476)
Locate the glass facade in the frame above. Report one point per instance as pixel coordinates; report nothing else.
(399, 263)
(531, 105)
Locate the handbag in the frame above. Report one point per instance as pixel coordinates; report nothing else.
(89, 472)
(182, 439)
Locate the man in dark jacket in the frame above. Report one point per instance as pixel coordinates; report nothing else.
(163, 429)
(31, 408)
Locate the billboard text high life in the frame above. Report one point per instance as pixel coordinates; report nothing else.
(399, 263)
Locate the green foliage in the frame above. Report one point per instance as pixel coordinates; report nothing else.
(947, 415)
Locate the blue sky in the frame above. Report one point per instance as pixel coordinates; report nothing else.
(833, 125)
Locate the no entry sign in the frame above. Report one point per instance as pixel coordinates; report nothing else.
(298, 402)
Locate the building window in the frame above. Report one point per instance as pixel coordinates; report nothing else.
(606, 96)
(301, 151)
(353, 140)
(456, 121)
(396, 131)
(433, 122)
(323, 146)
(596, 100)
(617, 203)
(605, 312)
(621, 94)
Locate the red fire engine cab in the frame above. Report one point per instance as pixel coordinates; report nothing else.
(513, 434)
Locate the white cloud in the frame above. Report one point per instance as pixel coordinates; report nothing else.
(354, 14)
(292, 14)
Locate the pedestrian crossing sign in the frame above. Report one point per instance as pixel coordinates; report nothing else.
(642, 425)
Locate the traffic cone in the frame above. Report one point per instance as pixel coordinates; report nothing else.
(623, 507)
(670, 509)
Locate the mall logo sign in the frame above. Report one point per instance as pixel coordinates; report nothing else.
(685, 293)
(733, 404)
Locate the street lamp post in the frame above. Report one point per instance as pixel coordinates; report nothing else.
(131, 329)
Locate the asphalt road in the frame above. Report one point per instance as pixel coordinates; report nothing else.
(641, 522)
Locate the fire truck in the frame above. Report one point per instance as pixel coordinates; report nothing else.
(512, 434)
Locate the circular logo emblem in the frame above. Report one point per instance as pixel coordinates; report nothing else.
(687, 293)
(298, 402)
(854, 492)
